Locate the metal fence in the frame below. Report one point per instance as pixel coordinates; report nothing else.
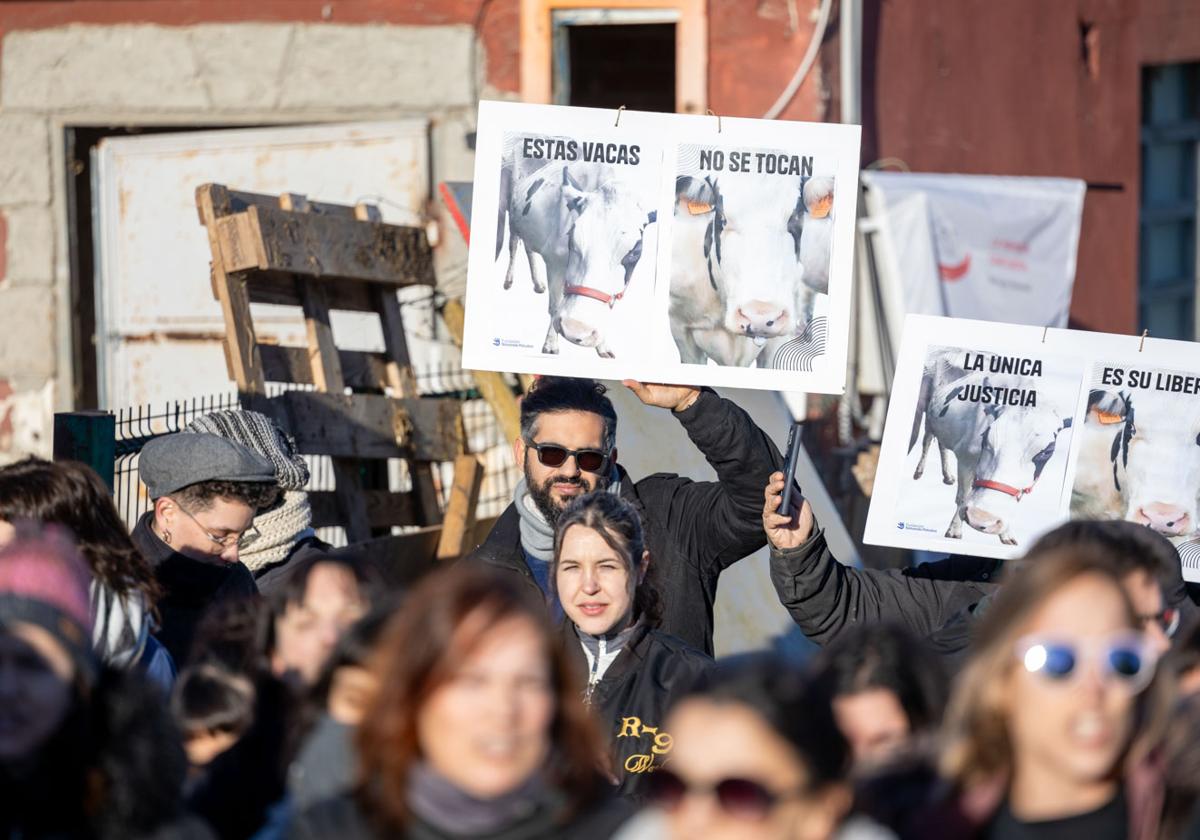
(137, 425)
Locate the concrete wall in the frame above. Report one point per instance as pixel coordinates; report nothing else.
(205, 74)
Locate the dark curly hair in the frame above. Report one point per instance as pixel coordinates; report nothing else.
(618, 524)
(552, 394)
(72, 495)
(200, 496)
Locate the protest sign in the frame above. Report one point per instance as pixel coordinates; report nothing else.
(997, 433)
(661, 247)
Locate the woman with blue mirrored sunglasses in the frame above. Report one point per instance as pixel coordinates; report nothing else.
(1053, 720)
(1126, 659)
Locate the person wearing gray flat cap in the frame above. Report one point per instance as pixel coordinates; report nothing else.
(206, 490)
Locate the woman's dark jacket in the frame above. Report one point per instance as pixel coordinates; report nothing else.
(342, 818)
(694, 529)
(190, 587)
(632, 698)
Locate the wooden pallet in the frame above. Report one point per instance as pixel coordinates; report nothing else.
(361, 408)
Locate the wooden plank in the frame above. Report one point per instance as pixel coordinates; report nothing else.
(400, 375)
(324, 362)
(400, 560)
(240, 201)
(491, 384)
(281, 288)
(385, 509)
(459, 520)
(360, 371)
(241, 346)
(351, 505)
(331, 247)
(235, 234)
(367, 425)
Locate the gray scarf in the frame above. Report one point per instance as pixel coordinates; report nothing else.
(438, 802)
(537, 535)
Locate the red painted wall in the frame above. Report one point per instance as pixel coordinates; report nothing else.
(1022, 87)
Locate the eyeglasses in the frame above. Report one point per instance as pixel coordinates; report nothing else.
(1167, 619)
(553, 455)
(740, 798)
(229, 540)
(1125, 659)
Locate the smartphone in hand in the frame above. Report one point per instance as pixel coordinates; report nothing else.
(789, 468)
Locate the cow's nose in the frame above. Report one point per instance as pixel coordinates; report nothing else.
(761, 318)
(1168, 520)
(984, 520)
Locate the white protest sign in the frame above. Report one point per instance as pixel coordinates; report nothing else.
(997, 433)
(661, 247)
(982, 246)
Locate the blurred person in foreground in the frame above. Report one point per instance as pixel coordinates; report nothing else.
(1054, 724)
(889, 691)
(282, 532)
(477, 729)
(123, 592)
(279, 644)
(206, 491)
(633, 670)
(85, 751)
(757, 754)
(942, 601)
(694, 529)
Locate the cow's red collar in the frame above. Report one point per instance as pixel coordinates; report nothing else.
(595, 294)
(1008, 489)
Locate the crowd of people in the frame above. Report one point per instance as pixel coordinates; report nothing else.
(220, 672)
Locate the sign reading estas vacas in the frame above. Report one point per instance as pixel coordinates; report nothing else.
(661, 247)
(997, 433)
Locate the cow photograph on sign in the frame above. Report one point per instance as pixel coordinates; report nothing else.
(1139, 452)
(661, 247)
(750, 257)
(573, 219)
(987, 450)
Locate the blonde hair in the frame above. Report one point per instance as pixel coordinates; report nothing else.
(976, 741)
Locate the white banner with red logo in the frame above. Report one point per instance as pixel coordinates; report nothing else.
(997, 433)
(981, 246)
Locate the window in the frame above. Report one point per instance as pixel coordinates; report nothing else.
(644, 54)
(1167, 268)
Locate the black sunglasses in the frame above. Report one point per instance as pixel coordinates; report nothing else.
(553, 455)
(741, 798)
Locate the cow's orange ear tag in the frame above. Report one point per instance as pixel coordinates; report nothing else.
(699, 208)
(821, 208)
(1107, 418)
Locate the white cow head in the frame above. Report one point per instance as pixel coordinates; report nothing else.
(1015, 444)
(751, 248)
(1155, 458)
(605, 228)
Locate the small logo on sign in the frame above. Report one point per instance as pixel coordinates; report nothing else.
(900, 525)
(495, 342)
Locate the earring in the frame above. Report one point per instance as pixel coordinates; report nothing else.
(167, 537)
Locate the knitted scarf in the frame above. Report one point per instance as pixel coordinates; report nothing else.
(437, 801)
(279, 530)
(537, 535)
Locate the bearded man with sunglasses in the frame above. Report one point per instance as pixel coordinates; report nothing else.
(206, 490)
(694, 529)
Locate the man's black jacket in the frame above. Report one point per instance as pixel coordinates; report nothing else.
(825, 597)
(632, 698)
(939, 601)
(694, 529)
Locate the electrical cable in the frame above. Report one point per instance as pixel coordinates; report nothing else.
(806, 63)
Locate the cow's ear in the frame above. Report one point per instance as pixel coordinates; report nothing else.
(1067, 422)
(652, 217)
(568, 181)
(575, 199)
